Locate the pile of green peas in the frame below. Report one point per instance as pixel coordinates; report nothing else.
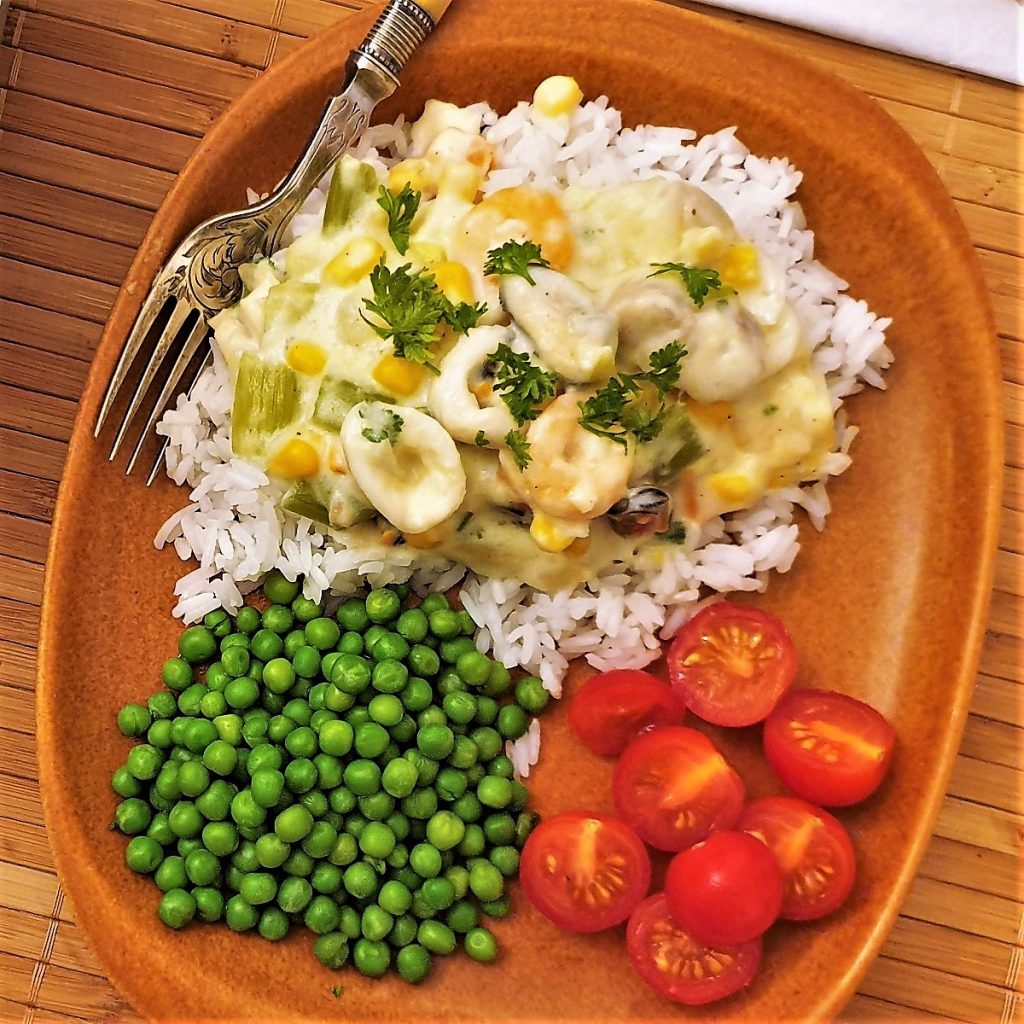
(341, 772)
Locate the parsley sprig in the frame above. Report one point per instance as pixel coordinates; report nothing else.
(388, 430)
(622, 408)
(400, 208)
(523, 386)
(515, 258)
(698, 281)
(519, 448)
(411, 309)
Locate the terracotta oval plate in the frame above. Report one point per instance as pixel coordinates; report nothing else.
(888, 603)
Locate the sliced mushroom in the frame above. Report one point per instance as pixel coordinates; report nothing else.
(572, 334)
(651, 315)
(642, 511)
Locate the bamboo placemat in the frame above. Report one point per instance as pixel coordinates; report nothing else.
(103, 102)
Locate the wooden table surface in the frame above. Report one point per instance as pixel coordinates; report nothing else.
(102, 102)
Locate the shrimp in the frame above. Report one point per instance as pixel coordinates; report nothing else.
(572, 474)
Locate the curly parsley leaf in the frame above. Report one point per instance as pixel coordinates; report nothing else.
(515, 258)
(388, 430)
(519, 449)
(523, 386)
(481, 439)
(463, 316)
(676, 533)
(623, 407)
(698, 281)
(400, 208)
(411, 309)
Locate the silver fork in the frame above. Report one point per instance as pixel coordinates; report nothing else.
(201, 276)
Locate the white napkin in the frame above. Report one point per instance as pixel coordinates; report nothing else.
(976, 35)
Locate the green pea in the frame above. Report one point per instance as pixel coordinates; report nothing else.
(505, 859)
(444, 623)
(197, 644)
(412, 625)
(338, 700)
(202, 867)
(435, 741)
(445, 830)
(512, 721)
(322, 633)
(351, 674)
(266, 645)
(473, 667)
(306, 662)
(254, 726)
(242, 693)
(294, 895)
(162, 705)
(342, 800)
(278, 589)
(213, 704)
(417, 695)
(245, 811)
(451, 682)
(451, 784)
(414, 963)
(278, 728)
(481, 945)
(160, 829)
(247, 620)
(494, 792)
(264, 755)
(220, 758)
(302, 742)
(329, 771)
(350, 643)
(159, 733)
(143, 854)
(360, 880)
(420, 804)
(376, 840)
(123, 783)
(220, 838)
(345, 850)
(497, 908)
(176, 674)
(403, 931)
(352, 615)
(215, 803)
(486, 710)
(293, 824)
(244, 858)
(371, 739)
(468, 808)
(385, 709)
(394, 897)
(377, 806)
(177, 907)
(274, 924)
(382, 605)
(185, 820)
(501, 767)
(376, 923)
(331, 949)
(362, 777)
(371, 958)
(271, 851)
(209, 903)
(144, 761)
(258, 887)
(171, 874)
(399, 778)
(486, 881)
(193, 778)
(426, 767)
(236, 661)
(473, 842)
(462, 917)
(185, 846)
(326, 878)
(459, 707)
(320, 841)
(436, 936)
(240, 915)
(217, 677)
(439, 893)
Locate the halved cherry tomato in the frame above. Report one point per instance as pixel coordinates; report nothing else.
(731, 664)
(828, 748)
(584, 872)
(725, 890)
(673, 786)
(680, 967)
(614, 707)
(812, 849)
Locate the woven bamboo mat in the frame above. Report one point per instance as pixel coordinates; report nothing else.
(101, 103)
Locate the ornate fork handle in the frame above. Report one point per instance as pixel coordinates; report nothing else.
(223, 243)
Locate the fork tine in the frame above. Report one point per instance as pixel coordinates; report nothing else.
(192, 342)
(179, 315)
(207, 361)
(143, 322)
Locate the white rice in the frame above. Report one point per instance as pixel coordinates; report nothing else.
(233, 528)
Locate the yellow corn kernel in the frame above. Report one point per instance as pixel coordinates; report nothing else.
(483, 391)
(356, 260)
(416, 173)
(460, 178)
(295, 460)
(306, 357)
(427, 539)
(453, 279)
(732, 486)
(557, 95)
(427, 253)
(741, 266)
(399, 376)
(550, 534)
